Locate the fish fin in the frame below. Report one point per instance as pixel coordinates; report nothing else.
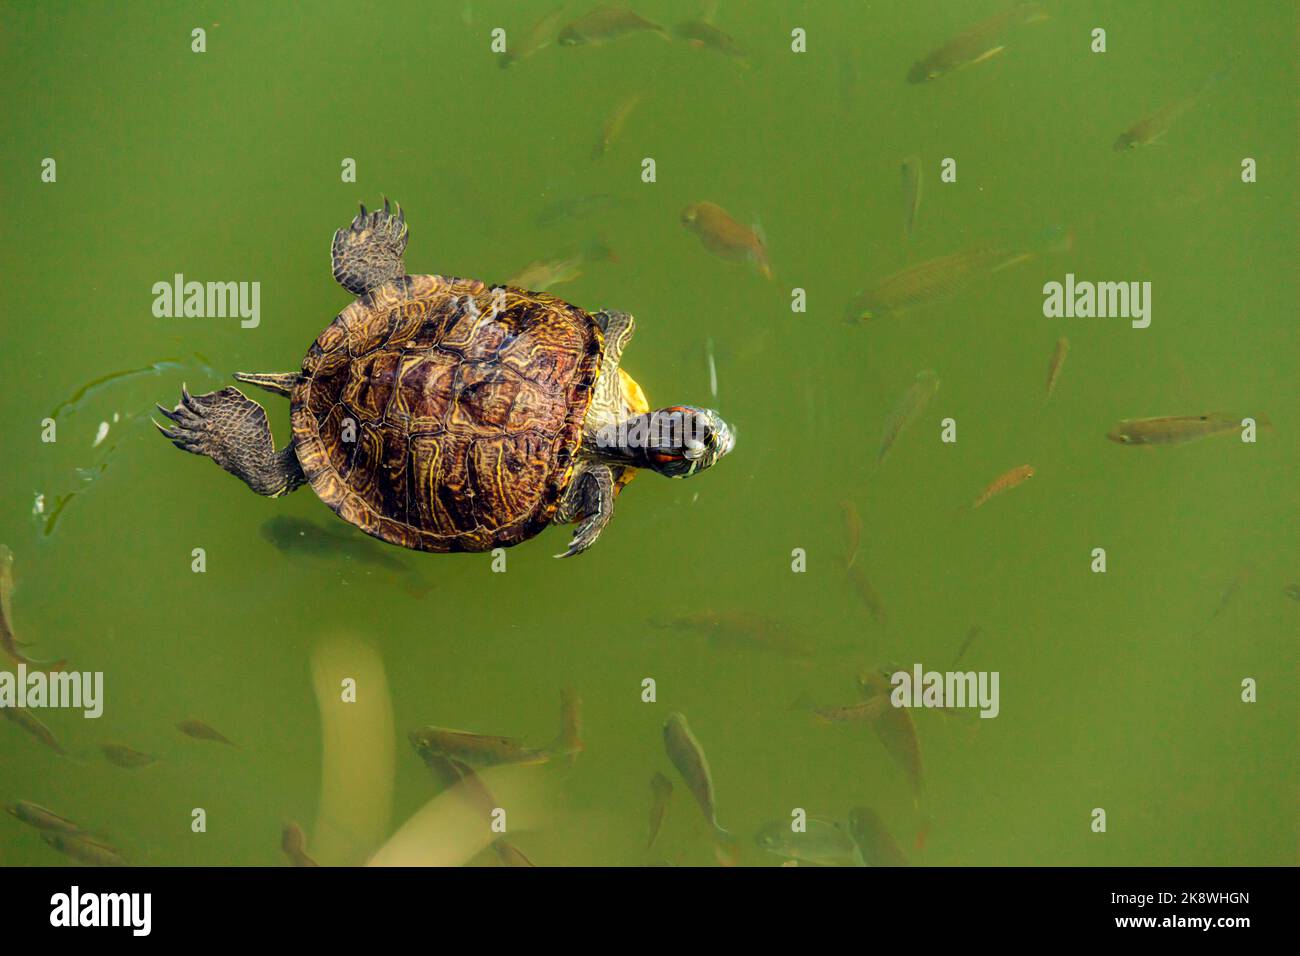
(759, 255)
(988, 55)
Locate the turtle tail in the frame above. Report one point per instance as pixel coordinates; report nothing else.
(281, 383)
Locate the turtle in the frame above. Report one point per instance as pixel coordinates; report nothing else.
(444, 414)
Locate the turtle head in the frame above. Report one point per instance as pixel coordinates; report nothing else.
(678, 441)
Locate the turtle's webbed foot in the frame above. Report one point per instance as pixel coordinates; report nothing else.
(232, 430)
(368, 252)
(596, 491)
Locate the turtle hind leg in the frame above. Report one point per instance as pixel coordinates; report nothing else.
(368, 252)
(589, 500)
(232, 430)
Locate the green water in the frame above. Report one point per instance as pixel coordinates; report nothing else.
(1118, 691)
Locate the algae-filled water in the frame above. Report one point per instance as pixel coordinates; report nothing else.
(1155, 697)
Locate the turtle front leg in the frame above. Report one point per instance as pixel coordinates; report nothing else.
(232, 430)
(589, 500)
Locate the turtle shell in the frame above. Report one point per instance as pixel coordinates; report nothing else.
(428, 419)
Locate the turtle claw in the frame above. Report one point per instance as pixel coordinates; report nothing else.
(370, 252)
(167, 432)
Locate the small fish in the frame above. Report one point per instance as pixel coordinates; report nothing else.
(867, 594)
(544, 274)
(874, 840)
(930, 281)
(604, 23)
(688, 757)
(1054, 367)
(1292, 591)
(25, 719)
(1243, 574)
(9, 643)
(910, 175)
(35, 815)
(569, 742)
(612, 128)
(6, 594)
(1150, 128)
(896, 731)
(661, 791)
(1174, 430)
(724, 236)
(577, 208)
(294, 844)
(908, 409)
(85, 849)
(741, 628)
(539, 36)
(126, 757)
(704, 36)
(822, 843)
(201, 731)
(981, 42)
(509, 854)
(298, 537)
(1005, 482)
(852, 532)
(475, 749)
